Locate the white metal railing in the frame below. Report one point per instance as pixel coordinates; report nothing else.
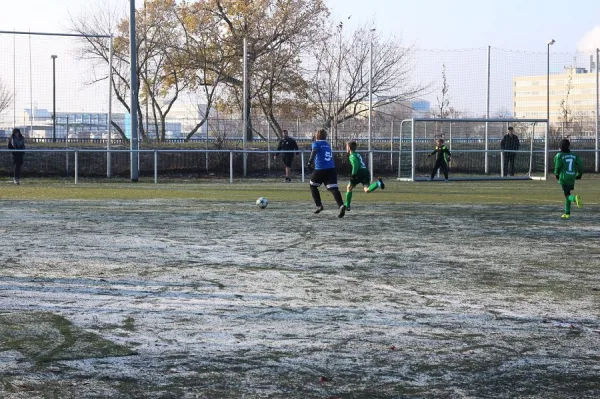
(77, 151)
(396, 154)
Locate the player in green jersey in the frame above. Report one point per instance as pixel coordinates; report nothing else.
(442, 159)
(360, 174)
(568, 167)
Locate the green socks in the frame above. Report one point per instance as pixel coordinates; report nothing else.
(372, 187)
(568, 201)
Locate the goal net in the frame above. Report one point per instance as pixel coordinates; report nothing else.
(475, 145)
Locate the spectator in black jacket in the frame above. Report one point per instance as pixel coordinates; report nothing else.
(17, 142)
(287, 144)
(508, 145)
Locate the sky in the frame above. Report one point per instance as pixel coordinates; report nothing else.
(513, 25)
(525, 25)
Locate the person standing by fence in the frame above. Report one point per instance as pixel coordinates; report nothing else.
(509, 145)
(17, 142)
(287, 144)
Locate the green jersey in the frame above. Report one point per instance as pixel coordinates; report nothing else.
(357, 162)
(567, 166)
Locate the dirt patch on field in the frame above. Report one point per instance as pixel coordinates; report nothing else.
(220, 299)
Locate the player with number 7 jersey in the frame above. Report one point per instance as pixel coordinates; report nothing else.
(324, 172)
(568, 167)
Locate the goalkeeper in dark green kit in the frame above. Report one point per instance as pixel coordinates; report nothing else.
(360, 174)
(568, 167)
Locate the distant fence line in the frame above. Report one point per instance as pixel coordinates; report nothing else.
(81, 162)
(230, 130)
(38, 140)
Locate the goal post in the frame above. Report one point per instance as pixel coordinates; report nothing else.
(475, 147)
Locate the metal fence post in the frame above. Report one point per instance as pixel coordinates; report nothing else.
(531, 151)
(450, 138)
(206, 146)
(155, 167)
(76, 166)
(231, 166)
(269, 146)
(109, 116)
(400, 148)
(412, 150)
(392, 146)
(546, 150)
(67, 145)
(487, 109)
(302, 162)
(597, 107)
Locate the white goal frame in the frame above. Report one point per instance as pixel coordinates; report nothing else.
(486, 175)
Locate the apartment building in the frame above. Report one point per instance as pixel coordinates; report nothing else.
(572, 96)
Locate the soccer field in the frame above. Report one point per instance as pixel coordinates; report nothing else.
(189, 290)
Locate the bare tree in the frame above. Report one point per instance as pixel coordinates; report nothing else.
(269, 26)
(565, 108)
(339, 74)
(160, 68)
(503, 113)
(6, 97)
(442, 109)
(280, 88)
(104, 21)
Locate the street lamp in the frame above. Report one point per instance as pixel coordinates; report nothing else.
(370, 97)
(53, 98)
(550, 43)
(597, 106)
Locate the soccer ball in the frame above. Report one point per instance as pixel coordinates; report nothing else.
(262, 202)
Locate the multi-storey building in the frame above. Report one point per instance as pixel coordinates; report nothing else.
(572, 97)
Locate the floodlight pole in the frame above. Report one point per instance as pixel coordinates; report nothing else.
(133, 103)
(109, 117)
(53, 98)
(597, 106)
(370, 99)
(487, 110)
(550, 42)
(245, 106)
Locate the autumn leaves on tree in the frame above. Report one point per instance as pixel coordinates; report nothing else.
(300, 64)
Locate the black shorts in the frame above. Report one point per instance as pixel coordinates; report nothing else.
(287, 159)
(362, 177)
(567, 188)
(324, 176)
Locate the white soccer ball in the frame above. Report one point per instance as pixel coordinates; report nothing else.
(262, 202)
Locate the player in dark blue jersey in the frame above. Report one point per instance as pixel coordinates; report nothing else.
(324, 172)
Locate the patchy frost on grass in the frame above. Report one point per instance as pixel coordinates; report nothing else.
(223, 299)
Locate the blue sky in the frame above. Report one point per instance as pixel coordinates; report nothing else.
(516, 26)
(437, 24)
(512, 24)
